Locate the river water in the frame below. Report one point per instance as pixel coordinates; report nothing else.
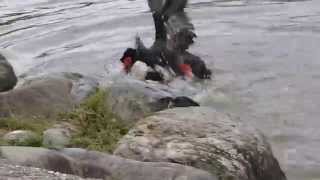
(265, 55)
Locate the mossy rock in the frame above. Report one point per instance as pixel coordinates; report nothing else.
(22, 138)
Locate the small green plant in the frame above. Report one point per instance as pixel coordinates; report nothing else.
(35, 125)
(35, 141)
(98, 128)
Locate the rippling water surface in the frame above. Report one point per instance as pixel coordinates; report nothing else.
(265, 54)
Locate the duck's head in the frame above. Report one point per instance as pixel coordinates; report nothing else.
(128, 59)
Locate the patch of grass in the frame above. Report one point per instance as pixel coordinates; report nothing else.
(35, 125)
(35, 141)
(16, 123)
(98, 128)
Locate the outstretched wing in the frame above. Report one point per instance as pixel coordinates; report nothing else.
(173, 16)
(156, 6)
(179, 22)
(167, 7)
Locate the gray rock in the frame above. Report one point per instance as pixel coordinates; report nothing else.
(205, 139)
(99, 165)
(56, 138)
(47, 96)
(82, 86)
(22, 138)
(8, 78)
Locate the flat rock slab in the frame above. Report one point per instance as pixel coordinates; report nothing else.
(90, 164)
(203, 138)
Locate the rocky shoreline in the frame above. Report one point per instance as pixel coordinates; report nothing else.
(163, 142)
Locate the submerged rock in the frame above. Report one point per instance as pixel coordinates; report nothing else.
(99, 165)
(205, 139)
(8, 78)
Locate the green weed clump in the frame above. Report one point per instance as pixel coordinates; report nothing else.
(98, 128)
(35, 125)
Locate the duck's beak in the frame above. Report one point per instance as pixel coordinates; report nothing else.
(127, 64)
(186, 70)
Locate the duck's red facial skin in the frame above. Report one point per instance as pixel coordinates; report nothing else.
(127, 64)
(186, 70)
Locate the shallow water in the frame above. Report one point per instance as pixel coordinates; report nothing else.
(265, 55)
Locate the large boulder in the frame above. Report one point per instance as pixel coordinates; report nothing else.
(46, 96)
(203, 138)
(8, 78)
(99, 165)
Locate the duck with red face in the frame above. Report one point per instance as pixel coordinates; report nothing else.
(143, 67)
(128, 59)
(168, 54)
(192, 66)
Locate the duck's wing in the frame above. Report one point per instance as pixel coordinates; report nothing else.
(167, 7)
(179, 22)
(142, 50)
(150, 56)
(156, 6)
(171, 19)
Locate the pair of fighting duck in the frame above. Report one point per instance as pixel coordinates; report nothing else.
(168, 56)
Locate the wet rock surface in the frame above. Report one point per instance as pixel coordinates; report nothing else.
(132, 100)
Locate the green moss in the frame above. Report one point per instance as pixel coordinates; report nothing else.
(36, 125)
(33, 124)
(31, 142)
(98, 128)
